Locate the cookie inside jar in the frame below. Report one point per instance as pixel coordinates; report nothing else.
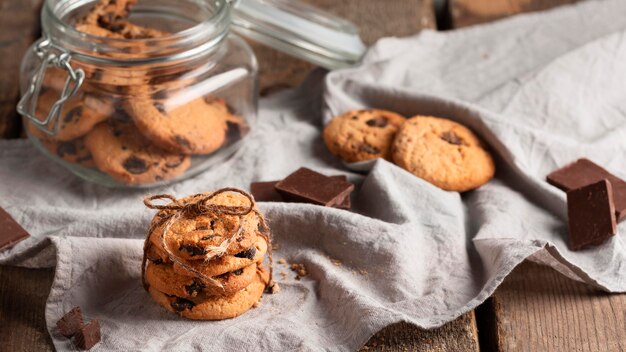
(165, 91)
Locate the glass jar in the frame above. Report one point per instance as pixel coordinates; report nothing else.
(166, 98)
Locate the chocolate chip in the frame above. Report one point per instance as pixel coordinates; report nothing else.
(355, 117)
(181, 304)
(233, 131)
(208, 237)
(176, 162)
(158, 261)
(160, 107)
(195, 288)
(369, 149)
(135, 165)
(182, 141)
(452, 138)
(160, 95)
(238, 272)
(378, 121)
(192, 249)
(202, 227)
(248, 253)
(66, 148)
(69, 117)
(97, 75)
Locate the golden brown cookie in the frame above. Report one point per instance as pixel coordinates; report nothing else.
(192, 238)
(216, 307)
(163, 278)
(78, 116)
(217, 266)
(119, 150)
(443, 153)
(194, 127)
(362, 134)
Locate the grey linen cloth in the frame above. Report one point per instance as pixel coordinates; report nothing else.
(541, 89)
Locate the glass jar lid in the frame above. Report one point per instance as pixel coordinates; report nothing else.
(299, 30)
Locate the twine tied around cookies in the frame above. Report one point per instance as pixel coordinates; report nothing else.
(200, 204)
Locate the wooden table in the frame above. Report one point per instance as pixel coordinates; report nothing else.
(535, 309)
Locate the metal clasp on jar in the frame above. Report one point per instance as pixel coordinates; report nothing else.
(50, 56)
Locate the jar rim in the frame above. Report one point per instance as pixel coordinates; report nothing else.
(188, 43)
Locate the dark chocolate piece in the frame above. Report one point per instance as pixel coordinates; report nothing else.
(12, 232)
(590, 213)
(71, 322)
(305, 185)
(88, 336)
(238, 272)
(248, 253)
(584, 172)
(379, 121)
(451, 137)
(135, 165)
(181, 304)
(266, 192)
(194, 288)
(192, 249)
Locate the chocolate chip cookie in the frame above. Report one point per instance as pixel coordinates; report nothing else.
(193, 238)
(194, 127)
(163, 278)
(362, 134)
(215, 307)
(443, 153)
(119, 150)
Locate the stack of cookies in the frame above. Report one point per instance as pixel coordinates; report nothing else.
(203, 256)
(134, 124)
(440, 151)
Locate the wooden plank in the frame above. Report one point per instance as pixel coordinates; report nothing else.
(375, 19)
(19, 27)
(538, 309)
(468, 12)
(23, 294)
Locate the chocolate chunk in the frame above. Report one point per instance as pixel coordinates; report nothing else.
(158, 261)
(71, 322)
(160, 107)
(238, 272)
(451, 137)
(176, 162)
(370, 149)
(72, 114)
(192, 249)
(66, 148)
(208, 237)
(202, 227)
(194, 288)
(135, 165)
(181, 304)
(378, 121)
(308, 186)
(584, 172)
(248, 253)
(88, 336)
(590, 213)
(266, 192)
(182, 141)
(12, 232)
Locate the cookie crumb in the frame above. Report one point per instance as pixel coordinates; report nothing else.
(274, 288)
(275, 246)
(363, 272)
(283, 274)
(336, 262)
(256, 304)
(282, 261)
(300, 270)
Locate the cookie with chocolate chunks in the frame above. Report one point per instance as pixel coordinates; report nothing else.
(191, 127)
(119, 150)
(163, 278)
(215, 307)
(361, 135)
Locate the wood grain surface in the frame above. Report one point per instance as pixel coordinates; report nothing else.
(538, 309)
(19, 27)
(468, 12)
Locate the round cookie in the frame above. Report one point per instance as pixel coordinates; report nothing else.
(195, 127)
(443, 153)
(163, 278)
(217, 266)
(215, 308)
(189, 237)
(361, 135)
(119, 150)
(78, 116)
